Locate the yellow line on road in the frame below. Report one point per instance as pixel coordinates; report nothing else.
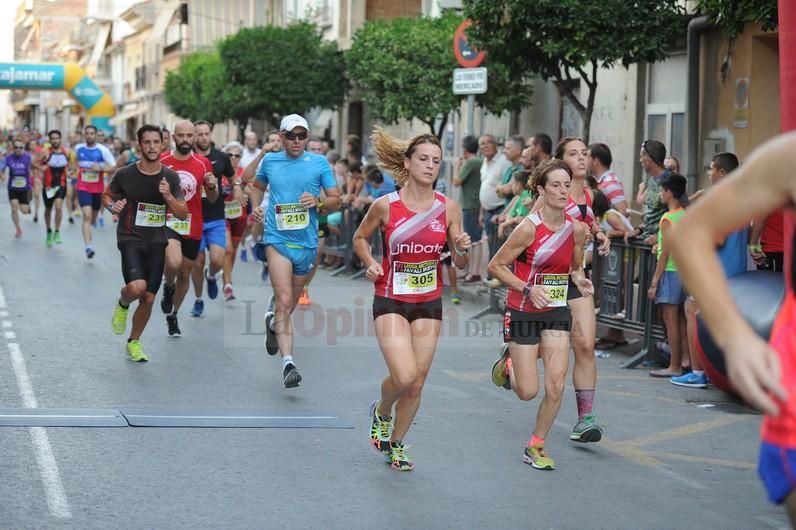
(706, 460)
(681, 432)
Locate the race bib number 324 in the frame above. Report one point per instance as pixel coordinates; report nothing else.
(556, 285)
(414, 278)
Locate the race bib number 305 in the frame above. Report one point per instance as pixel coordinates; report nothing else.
(90, 177)
(182, 227)
(414, 278)
(150, 215)
(556, 285)
(291, 216)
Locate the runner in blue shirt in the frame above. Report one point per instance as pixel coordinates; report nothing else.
(294, 179)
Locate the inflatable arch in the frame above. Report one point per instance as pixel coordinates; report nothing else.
(69, 77)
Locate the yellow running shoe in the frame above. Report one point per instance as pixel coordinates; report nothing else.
(119, 320)
(380, 429)
(398, 459)
(537, 458)
(136, 352)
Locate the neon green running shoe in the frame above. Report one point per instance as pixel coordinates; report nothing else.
(136, 352)
(57, 238)
(49, 239)
(537, 458)
(456, 299)
(380, 429)
(586, 430)
(499, 376)
(119, 320)
(398, 459)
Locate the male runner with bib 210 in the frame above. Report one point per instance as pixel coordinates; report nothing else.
(294, 179)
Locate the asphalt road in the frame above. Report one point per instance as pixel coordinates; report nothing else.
(672, 457)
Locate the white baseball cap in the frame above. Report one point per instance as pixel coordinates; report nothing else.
(291, 121)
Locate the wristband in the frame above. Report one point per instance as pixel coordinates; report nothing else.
(756, 248)
(110, 207)
(319, 202)
(461, 252)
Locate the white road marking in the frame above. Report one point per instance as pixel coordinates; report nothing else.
(45, 460)
(10, 335)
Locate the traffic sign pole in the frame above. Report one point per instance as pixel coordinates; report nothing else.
(470, 115)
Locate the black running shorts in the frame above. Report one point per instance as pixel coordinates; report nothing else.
(526, 328)
(23, 196)
(142, 260)
(190, 247)
(408, 310)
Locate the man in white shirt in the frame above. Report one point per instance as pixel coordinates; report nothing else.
(250, 150)
(492, 170)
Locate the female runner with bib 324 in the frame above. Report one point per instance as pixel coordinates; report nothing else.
(544, 251)
(407, 307)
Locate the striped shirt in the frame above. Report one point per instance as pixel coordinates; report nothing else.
(612, 188)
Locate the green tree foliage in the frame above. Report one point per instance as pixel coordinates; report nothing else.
(404, 70)
(195, 90)
(733, 15)
(561, 40)
(274, 71)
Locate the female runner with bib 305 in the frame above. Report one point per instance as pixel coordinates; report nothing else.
(407, 307)
(536, 263)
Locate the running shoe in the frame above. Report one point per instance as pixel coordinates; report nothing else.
(244, 257)
(271, 344)
(198, 308)
(136, 352)
(167, 302)
(228, 293)
(499, 375)
(586, 430)
(537, 458)
(89, 252)
(212, 285)
(101, 222)
(380, 429)
(304, 299)
(398, 459)
(264, 272)
(174, 326)
(18, 233)
(71, 220)
(57, 238)
(493, 283)
(36, 218)
(291, 376)
(119, 320)
(49, 239)
(456, 299)
(691, 380)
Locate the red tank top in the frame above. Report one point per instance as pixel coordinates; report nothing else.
(55, 175)
(545, 262)
(412, 246)
(575, 210)
(781, 430)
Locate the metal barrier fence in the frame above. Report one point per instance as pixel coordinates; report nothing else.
(339, 243)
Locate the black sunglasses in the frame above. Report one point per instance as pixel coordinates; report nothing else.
(235, 155)
(19, 147)
(295, 136)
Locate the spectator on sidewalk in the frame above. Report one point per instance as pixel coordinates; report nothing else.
(733, 256)
(766, 242)
(512, 150)
(493, 167)
(666, 289)
(251, 149)
(468, 177)
(652, 155)
(541, 148)
(599, 162)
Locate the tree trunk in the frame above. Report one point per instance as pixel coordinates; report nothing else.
(441, 129)
(242, 130)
